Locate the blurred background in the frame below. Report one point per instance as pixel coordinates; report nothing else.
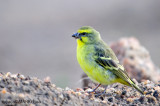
(35, 36)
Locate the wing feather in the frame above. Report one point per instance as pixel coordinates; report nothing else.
(104, 60)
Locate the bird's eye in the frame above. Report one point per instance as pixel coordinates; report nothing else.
(83, 33)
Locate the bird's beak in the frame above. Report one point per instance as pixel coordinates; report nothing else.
(76, 35)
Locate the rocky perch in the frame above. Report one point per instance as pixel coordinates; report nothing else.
(18, 90)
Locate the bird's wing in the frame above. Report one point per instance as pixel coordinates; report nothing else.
(112, 65)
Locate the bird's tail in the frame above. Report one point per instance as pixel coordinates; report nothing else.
(137, 88)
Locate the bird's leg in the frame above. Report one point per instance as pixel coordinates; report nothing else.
(102, 92)
(94, 89)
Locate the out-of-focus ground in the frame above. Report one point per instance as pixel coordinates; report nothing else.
(35, 36)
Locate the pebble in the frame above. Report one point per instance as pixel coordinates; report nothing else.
(130, 100)
(155, 94)
(21, 95)
(157, 88)
(47, 79)
(3, 91)
(124, 92)
(110, 99)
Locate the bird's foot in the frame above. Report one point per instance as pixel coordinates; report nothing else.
(102, 93)
(99, 94)
(91, 92)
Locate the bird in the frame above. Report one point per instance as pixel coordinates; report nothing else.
(99, 61)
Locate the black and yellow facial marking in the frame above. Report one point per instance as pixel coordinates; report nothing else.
(81, 33)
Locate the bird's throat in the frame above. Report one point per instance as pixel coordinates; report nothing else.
(80, 42)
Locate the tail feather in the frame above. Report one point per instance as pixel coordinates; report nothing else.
(137, 88)
(132, 84)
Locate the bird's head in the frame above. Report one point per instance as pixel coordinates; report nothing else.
(87, 35)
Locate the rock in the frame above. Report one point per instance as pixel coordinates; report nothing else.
(136, 59)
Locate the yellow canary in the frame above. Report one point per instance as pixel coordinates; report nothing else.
(98, 60)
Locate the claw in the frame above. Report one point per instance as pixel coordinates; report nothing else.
(99, 94)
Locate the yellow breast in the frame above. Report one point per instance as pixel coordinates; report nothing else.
(83, 56)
